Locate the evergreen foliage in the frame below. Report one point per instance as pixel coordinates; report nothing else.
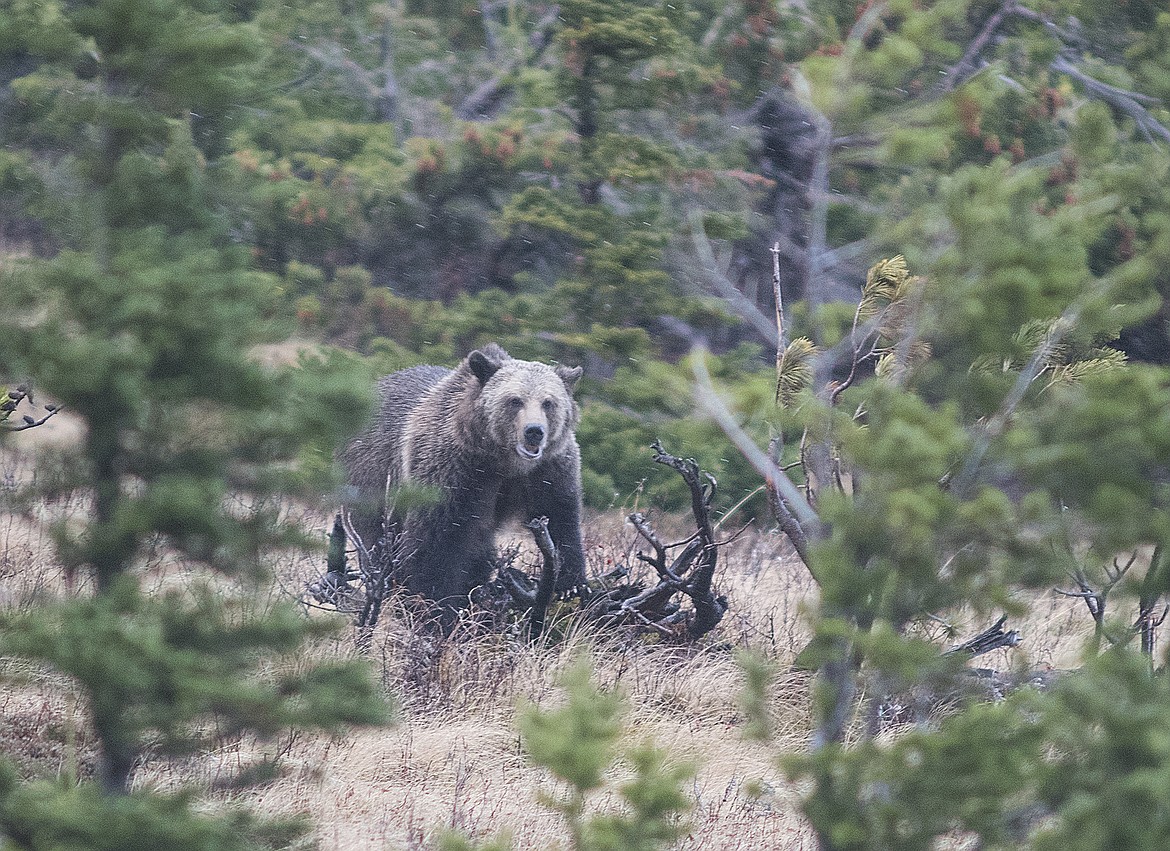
(928, 526)
(578, 744)
(140, 325)
(43, 815)
(181, 179)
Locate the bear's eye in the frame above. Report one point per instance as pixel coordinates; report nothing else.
(516, 402)
(548, 405)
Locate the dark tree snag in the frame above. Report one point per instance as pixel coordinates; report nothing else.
(787, 155)
(333, 588)
(1151, 591)
(992, 638)
(689, 574)
(709, 609)
(376, 573)
(335, 559)
(548, 575)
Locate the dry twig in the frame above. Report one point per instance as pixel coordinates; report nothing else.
(548, 576)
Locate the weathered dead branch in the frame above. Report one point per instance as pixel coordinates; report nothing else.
(1120, 99)
(375, 577)
(1151, 614)
(967, 66)
(688, 575)
(685, 571)
(992, 638)
(483, 103)
(1131, 103)
(548, 576)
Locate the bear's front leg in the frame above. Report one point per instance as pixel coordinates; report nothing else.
(554, 491)
(447, 548)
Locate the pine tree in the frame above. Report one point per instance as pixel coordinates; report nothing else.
(140, 325)
(969, 488)
(578, 744)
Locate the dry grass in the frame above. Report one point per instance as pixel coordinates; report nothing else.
(454, 761)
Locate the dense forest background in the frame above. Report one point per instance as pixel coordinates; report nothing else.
(962, 206)
(601, 182)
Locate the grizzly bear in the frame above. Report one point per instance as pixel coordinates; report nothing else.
(493, 440)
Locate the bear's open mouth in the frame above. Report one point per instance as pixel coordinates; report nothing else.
(529, 453)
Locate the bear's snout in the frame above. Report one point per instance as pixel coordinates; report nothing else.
(531, 444)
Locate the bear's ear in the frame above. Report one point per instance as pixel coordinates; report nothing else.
(482, 366)
(569, 376)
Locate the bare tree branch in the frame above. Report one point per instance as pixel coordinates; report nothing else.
(1096, 599)
(738, 302)
(709, 401)
(1031, 371)
(966, 66)
(548, 576)
(781, 330)
(483, 103)
(1127, 102)
(682, 563)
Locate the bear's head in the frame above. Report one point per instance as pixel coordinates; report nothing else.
(526, 408)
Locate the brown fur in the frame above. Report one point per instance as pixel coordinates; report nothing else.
(470, 433)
